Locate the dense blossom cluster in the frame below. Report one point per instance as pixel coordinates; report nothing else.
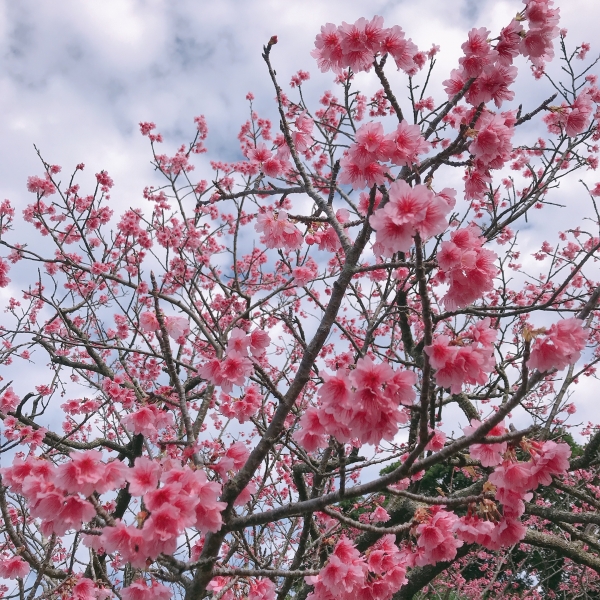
(467, 267)
(356, 46)
(363, 404)
(467, 359)
(361, 166)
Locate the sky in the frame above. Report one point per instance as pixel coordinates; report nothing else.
(76, 77)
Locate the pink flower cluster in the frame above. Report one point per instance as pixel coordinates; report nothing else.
(492, 145)
(361, 165)
(491, 67)
(436, 538)
(466, 266)
(356, 46)
(515, 480)
(244, 407)
(572, 119)
(9, 401)
(52, 492)
(148, 421)
(491, 149)
(278, 231)
(13, 567)
(138, 590)
(262, 589)
(185, 499)
(269, 164)
(177, 327)
(560, 346)
(408, 212)
(348, 576)
(236, 365)
(543, 28)
(363, 405)
(489, 455)
(458, 363)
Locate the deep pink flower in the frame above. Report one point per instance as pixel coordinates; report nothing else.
(13, 567)
(560, 346)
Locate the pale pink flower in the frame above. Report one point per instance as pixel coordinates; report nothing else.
(259, 342)
(478, 52)
(148, 420)
(177, 327)
(407, 144)
(278, 231)
(238, 341)
(436, 539)
(436, 443)
(473, 530)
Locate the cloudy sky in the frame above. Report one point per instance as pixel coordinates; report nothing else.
(77, 76)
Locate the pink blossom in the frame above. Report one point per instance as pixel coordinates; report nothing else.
(507, 532)
(9, 401)
(262, 589)
(473, 530)
(548, 459)
(148, 421)
(74, 512)
(177, 327)
(13, 567)
(436, 541)
(459, 364)
(311, 435)
(467, 266)
(478, 52)
(492, 146)
(436, 443)
(508, 45)
(259, 342)
(560, 346)
(489, 455)
(408, 212)
(400, 49)
(144, 476)
(361, 174)
(81, 473)
(407, 144)
(138, 590)
(343, 574)
(149, 322)
(380, 515)
(244, 407)
(578, 118)
(127, 540)
(277, 231)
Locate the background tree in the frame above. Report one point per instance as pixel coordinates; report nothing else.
(321, 372)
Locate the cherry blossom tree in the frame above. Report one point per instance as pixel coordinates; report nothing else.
(322, 371)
